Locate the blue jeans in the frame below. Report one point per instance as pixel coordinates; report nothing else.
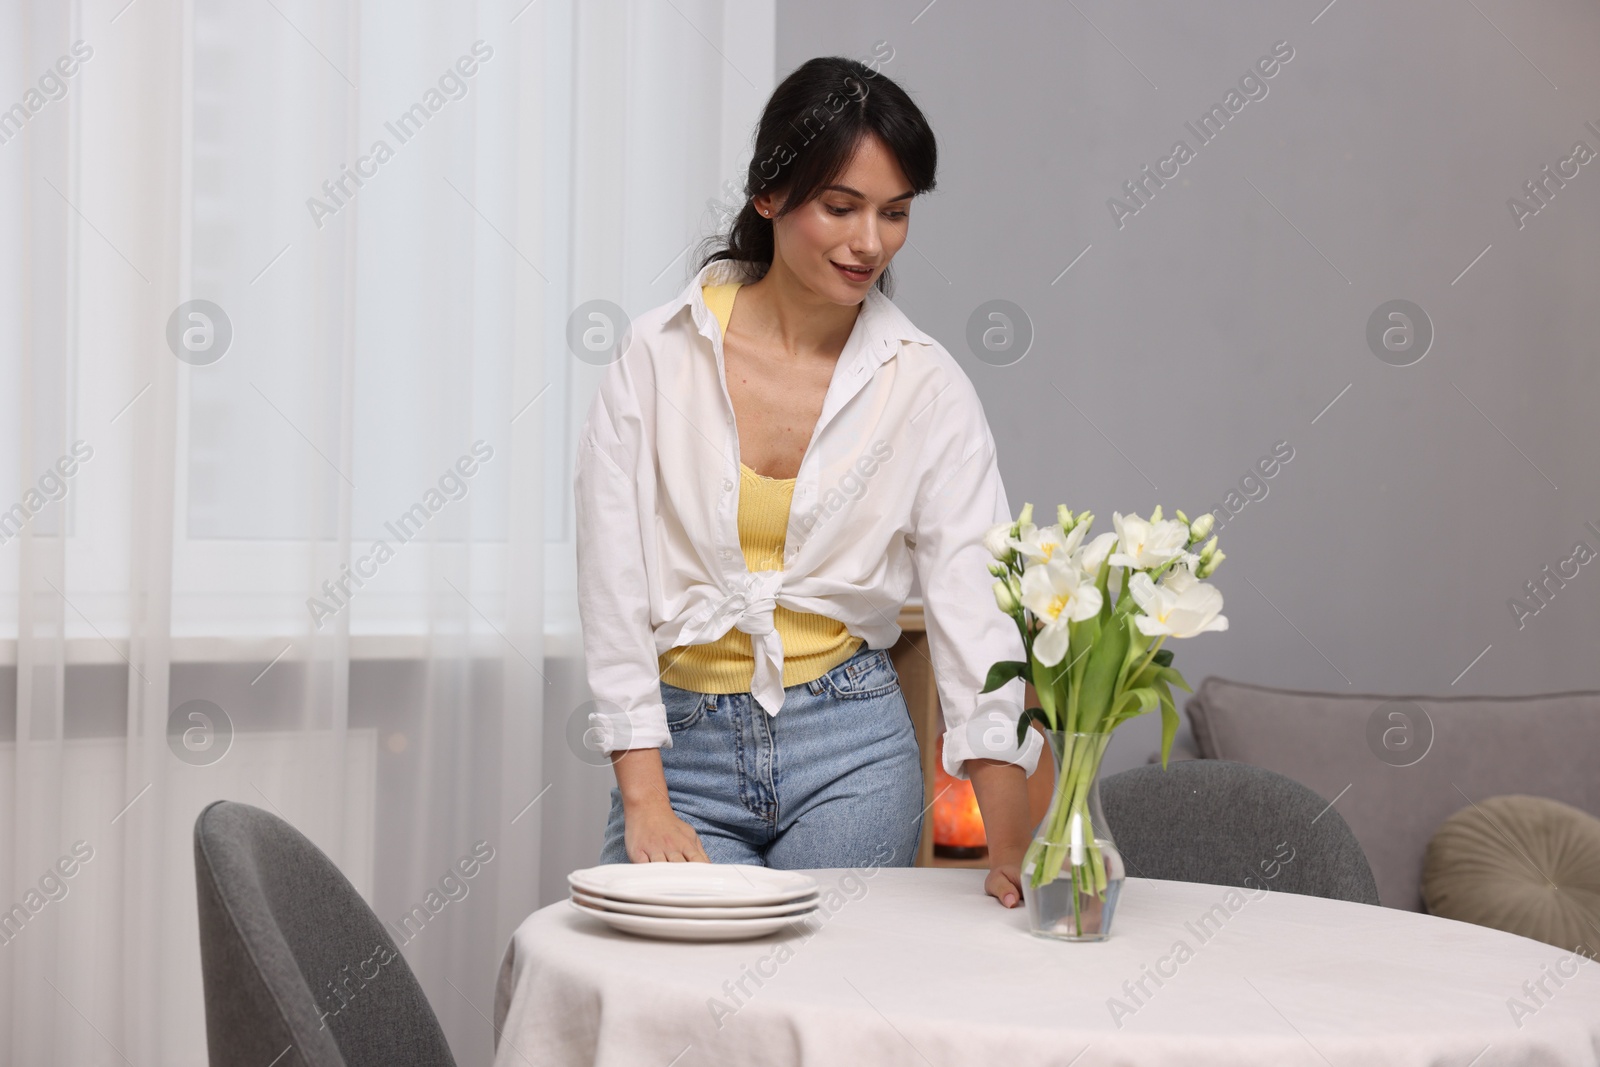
(833, 780)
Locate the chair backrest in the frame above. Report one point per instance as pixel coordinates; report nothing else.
(1233, 824)
(292, 957)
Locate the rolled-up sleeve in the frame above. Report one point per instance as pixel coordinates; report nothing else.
(967, 632)
(613, 597)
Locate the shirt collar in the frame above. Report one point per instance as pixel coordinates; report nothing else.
(883, 324)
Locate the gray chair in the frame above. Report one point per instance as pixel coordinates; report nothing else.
(1222, 823)
(297, 969)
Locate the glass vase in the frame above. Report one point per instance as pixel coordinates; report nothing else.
(1072, 872)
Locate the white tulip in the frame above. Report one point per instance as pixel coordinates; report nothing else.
(998, 540)
(1179, 578)
(1196, 609)
(1142, 545)
(1039, 544)
(1094, 553)
(1057, 593)
(1004, 598)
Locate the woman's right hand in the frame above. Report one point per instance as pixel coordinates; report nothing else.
(652, 831)
(655, 833)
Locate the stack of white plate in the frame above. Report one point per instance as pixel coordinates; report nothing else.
(693, 901)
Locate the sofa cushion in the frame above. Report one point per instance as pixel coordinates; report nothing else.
(1400, 765)
(1526, 865)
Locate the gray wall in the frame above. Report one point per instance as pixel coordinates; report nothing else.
(1230, 310)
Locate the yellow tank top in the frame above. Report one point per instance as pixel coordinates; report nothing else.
(812, 644)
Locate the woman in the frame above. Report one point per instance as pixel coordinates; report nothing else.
(763, 471)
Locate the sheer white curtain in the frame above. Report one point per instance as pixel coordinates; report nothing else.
(305, 544)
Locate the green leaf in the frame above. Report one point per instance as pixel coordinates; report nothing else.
(1053, 677)
(1031, 715)
(1148, 676)
(1143, 698)
(1003, 672)
(1167, 674)
(1046, 693)
(1082, 635)
(1163, 656)
(1169, 730)
(1100, 676)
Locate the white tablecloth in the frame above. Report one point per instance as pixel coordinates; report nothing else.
(917, 966)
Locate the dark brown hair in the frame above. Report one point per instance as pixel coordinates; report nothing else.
(808, 133)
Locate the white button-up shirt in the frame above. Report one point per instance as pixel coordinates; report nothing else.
(899, 478)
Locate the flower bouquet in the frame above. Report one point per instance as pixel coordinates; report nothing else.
(1095, 662)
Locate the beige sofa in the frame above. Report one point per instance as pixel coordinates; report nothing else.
(1394, 783)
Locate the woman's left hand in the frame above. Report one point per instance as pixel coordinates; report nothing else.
(1001, 789)
(1005, 884)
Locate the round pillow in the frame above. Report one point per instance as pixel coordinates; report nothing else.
(1526, 865)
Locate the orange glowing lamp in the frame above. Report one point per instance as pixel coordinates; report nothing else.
(957, 823)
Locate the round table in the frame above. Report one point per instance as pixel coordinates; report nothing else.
(916, 966)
